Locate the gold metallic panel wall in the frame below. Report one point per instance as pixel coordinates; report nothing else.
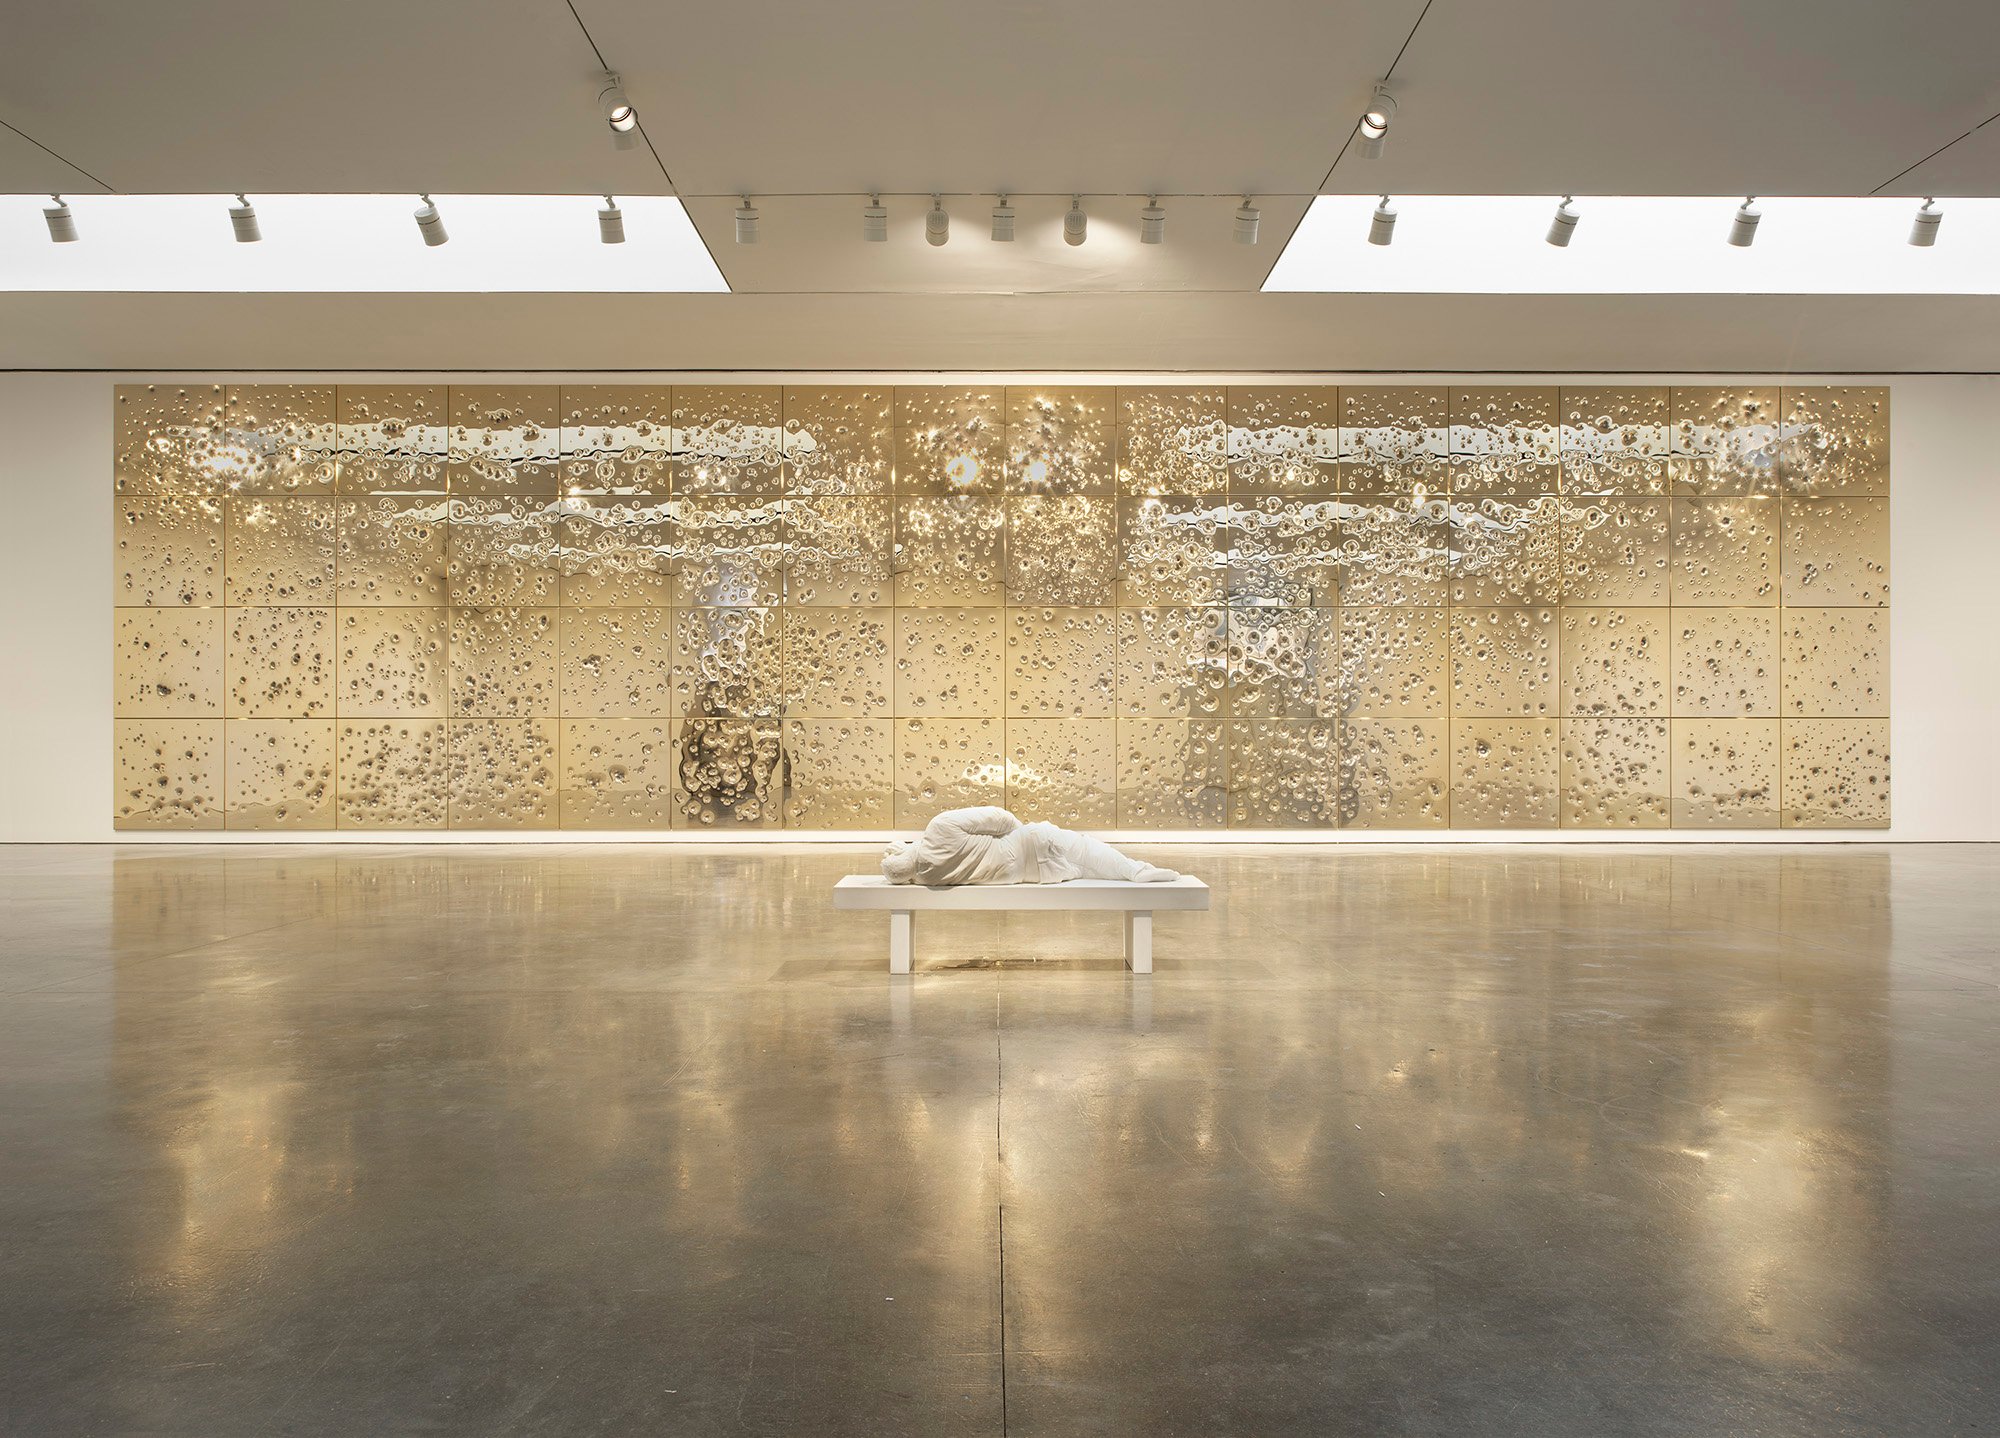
(628, 607)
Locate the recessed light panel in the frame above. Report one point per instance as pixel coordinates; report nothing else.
(1495, 244)
(346, 244)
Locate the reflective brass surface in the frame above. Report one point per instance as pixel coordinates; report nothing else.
(1725, 773)
(1062, 770)
(167, 773)
(1616, 773)
(280, 773)
(1615, 440)
(839, 440)
(391, 439)
(281, 663)
(1154, 606)
(617, 440)
(504, 439)
(1505, 773)
(275, 439)
(617, 774)
(728, 439)
(1283, 441)
(163, 438)
(167, 663)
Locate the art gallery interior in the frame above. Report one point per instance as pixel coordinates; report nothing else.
(548, 538)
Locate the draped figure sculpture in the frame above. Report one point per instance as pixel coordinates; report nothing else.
(988, 845)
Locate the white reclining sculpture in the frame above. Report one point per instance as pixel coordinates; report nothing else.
(985, 858)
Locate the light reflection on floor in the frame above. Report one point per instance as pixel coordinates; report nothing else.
(587, 1138)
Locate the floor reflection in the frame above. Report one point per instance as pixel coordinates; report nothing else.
(587, 1138)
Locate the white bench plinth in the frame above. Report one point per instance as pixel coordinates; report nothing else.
(1137, 902)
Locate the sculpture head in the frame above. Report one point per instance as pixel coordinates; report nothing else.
(899, 861)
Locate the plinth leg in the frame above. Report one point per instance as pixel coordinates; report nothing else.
(901, 923)
(1139, 942)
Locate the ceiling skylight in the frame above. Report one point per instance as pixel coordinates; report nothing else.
(1624, 244)
(355, 244)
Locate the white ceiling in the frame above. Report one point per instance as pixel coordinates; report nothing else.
(1046, 96)
(1686, 97)
(1184, 97)
(27, 168)
(812, 244)
(1969, 167)
(1113, 98)
(202, 96)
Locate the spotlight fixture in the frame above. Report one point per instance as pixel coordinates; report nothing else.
(1375, 120)
(618, 112)
(611, 223)
(874, 221)
(62, 223)
(1003, 221)
(430, 224)
(746, 223)
(1152, 222)
(937, 224)
(1563, 224)
(1382, 229)
(243, 220)
(1248, 218)
(1076, 223)
(1743, 228)
(1924, 225)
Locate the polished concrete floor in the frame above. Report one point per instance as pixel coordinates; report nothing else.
(588, 1140)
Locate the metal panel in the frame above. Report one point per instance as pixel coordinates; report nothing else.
(280, 663)
(839, 440)
(276, 439)
(1615, 661)
(950, 441)
(617, 663)
(1172, 663)
(942, 764)
(1394, 774)
(167, 663)
(1836, 551)
(837, 774)
(1616, 773)
(1725, 551)
(1283, 773)
(1836, 663)
(841, 606)
(167, 774)
(1725, 662)
(391, 438)
(1284, 440)
(1172, 441)
(1172, 774)
(617, 440)
(1504, 661)
(1062, 770)
(1614, 440)
(1836, 773)
(1505, 773)
(1060, 441)
(504, 439)
(617, 774)
(1059, 663)
(280, 773)
(391, 774)
(1725, 773)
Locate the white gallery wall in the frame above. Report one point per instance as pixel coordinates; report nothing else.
(55, 651)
